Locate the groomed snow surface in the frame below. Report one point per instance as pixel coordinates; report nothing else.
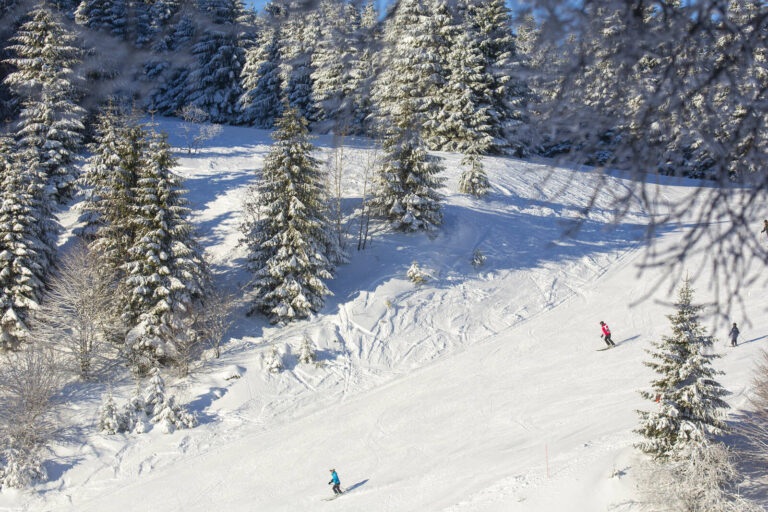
(480, 390)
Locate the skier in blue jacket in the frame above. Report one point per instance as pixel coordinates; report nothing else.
(336, 482)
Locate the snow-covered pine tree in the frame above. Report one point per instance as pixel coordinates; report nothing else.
(410, 80)
(103, 15)
(134, 417)
(473, 179)
(406, 186)
(464, 122)
(259, 105)
(493, 26)
(332, 62)
(51, 120)
(164, 270)
(690, 405)
(214, 82)
(307, 353)
(22, 467)
(27, 243)
(364, 68)
(100, 171)
(285, 228)
(299, 32)
(113, 173)
(110, 420)
(163, 410)
(274, 361)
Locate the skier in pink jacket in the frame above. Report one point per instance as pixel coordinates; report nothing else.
(606, 334)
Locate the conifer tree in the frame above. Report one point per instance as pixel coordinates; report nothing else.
(690, 405)
(27, 246)
(164, 270)
(406, 185)
(113, 173)
(259, 105)
(464, 122)
(214, 83)
(493, 26)
(285, 228)
(110, 421)
(364, 69)
(103, 15)
(412, 76)
(299, 33)
(332, 62)
(50, 118)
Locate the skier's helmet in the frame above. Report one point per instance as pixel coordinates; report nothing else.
(602, 323)
(332, 470)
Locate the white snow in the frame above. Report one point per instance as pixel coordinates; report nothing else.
(479, 390)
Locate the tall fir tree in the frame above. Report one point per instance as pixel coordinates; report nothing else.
(27, 239)
(493, 25)
(406, 186)
(113, 174)
(164, 270)
(51, 120)
(285, 228)
(690, 405)
(365, 67)
(259, 104)
(333, 61)
(411, 78)
(299, 35)
(213, 84)
(103, 15)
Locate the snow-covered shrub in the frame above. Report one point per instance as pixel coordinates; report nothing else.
(21, 467)
(110, 420)
(163, 410)
(196, 129)
(29, 381)
(702, 478)
(134, 417)
(274, 361)
(307, 354)
(478, 259)
(417, 275)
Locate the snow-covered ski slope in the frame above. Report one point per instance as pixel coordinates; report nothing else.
(481, 390)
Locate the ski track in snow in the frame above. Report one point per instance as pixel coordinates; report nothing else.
(440, 397)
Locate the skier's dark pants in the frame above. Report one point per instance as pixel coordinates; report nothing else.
(337, 488)
(733, 341)
(609, 341)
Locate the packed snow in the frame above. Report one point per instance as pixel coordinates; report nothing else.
(479, 389)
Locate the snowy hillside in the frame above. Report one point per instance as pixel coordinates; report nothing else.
(479, 390)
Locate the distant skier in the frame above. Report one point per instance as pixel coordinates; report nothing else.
(734, 334)
(606, 335)
(336, 482)
(765, 227)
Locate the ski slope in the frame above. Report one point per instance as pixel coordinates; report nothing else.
(481, 390)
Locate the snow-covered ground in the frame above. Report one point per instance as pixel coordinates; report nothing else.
(481, 390)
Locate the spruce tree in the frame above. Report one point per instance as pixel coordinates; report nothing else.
(259, 105)
(493, 26)
(285, 228)
(214, 82)
(690, 405)
(412, 76)
(50, 118)
(332, 62)
(299, 33)
(27, 243)
(164, 271)
(464, 123)
(113, 173)
(406, 185)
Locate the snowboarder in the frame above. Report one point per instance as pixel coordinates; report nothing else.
(606, 334)
(734, 334)
(336, 482)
